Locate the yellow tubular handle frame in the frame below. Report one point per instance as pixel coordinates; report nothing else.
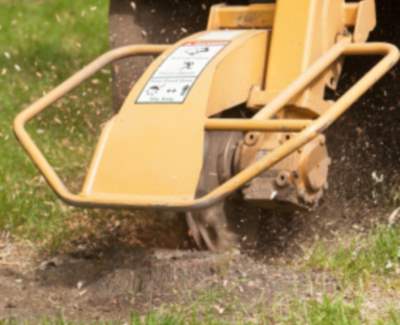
(260, 122)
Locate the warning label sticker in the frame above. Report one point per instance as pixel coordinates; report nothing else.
(175, 77)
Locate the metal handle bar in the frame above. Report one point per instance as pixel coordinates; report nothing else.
(258, 123)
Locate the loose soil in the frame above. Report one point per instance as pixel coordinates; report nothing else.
(123, 269)
(120, 282)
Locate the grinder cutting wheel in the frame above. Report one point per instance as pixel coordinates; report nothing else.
(226, 121)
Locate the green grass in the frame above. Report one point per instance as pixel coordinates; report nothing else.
(41, 44)
(328, 311)
(376, 255)
(334, 311)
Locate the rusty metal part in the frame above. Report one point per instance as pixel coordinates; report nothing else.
(297, 181)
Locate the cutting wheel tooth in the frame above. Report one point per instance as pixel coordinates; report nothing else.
(194, 230)
(209, 229)
(206, 237)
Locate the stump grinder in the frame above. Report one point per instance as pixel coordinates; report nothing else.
(230, 117)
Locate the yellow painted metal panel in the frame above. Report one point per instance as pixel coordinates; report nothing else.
(303, 31)
(253, 16)
(156, 149)
(289, 42)
(262, 15)
(237, 73)
(366, 20)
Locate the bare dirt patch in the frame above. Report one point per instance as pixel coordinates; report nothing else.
(119, 281)
(116, 270)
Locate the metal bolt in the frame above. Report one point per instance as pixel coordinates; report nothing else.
(283, 179)
(251, 138)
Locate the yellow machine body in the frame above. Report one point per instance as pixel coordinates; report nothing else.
(155, 145)
(274, 60)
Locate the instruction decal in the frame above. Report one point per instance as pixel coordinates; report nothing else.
(173, 80)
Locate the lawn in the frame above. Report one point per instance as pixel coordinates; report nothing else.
(42, 43)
